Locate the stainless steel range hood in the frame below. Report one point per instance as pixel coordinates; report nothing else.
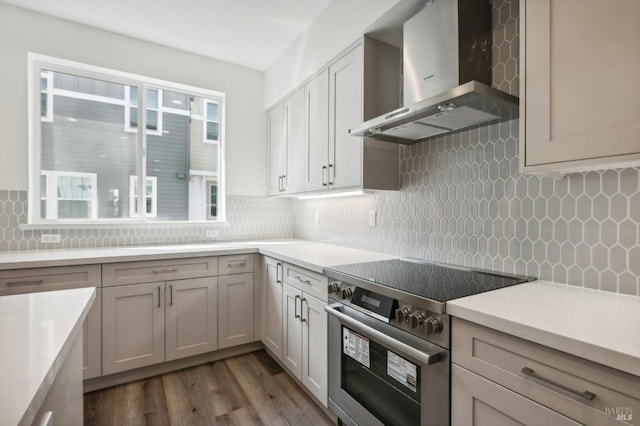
(472, 104)
(447, 76)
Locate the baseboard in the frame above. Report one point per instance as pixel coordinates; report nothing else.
(167, 367)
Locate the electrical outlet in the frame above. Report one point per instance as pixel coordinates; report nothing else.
(211, 234)
(49, 238)
(372, 218)
(316, 217)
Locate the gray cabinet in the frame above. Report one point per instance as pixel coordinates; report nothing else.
(285, 147)
(133, 325)
(271, 311)
(571, 387)
(191, 317)
(235, 310)
(580, 63)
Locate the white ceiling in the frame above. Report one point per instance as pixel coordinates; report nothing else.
(252, 33)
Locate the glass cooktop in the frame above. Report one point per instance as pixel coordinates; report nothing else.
(433, 281)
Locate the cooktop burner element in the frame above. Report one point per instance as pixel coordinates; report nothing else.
(438, 282)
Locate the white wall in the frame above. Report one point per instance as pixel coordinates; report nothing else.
(22, 31)
(339, 25)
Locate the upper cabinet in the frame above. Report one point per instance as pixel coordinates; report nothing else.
(360, 84)
(285, 123)
(580, 64)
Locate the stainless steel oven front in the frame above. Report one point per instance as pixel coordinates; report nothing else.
(380, 374)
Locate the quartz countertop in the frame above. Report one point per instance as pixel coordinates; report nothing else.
(307, 254)
(37, 331)
(596, 325)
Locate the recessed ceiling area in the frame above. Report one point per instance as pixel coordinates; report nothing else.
(251, 33)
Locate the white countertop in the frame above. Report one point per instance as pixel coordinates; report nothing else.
(37, 331)
(307, 254)
(596, 325)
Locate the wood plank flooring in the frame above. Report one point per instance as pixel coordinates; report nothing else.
(250, 389)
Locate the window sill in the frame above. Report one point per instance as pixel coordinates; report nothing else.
(128, 225)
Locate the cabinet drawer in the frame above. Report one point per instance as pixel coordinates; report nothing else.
(546, 375)
(308, 281)
(19, 281)
(236, 264)
(158, 270)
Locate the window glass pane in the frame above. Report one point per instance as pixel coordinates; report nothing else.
(43, 83)
(152, 98)
(212, 131)
(43, 104)
(86, 153)
(133, 95)
(212, 111)
(176, 100)
(152, 120)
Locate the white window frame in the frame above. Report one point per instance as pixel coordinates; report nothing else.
(127, 112)
(48, 75)
(133, 197)
(209, 183)
(51, 198)
(205, 120)
(38, 63)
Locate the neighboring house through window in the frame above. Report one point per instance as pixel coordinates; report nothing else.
(86, 167)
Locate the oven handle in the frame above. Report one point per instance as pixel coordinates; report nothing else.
(424, 358)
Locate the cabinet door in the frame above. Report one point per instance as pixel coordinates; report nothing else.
(292, 330)
(314, 347)
(272, 307)
(476, 401)
(92, 340)
(345, 112)
(235, 310)
(132, 326)
(581, 88)
(294, 171)
(277, 149)
(316, 110)
(192, 317)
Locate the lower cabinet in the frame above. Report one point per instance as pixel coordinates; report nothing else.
(271, 323)
(500, 379)
(191, 317)
(133, 326)
(235, 310)
(480, 402)
(305, 340)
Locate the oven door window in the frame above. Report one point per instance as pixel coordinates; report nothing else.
(383, 382)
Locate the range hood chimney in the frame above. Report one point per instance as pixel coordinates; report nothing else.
(447, 76)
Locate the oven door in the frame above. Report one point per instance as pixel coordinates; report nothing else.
(379, 374)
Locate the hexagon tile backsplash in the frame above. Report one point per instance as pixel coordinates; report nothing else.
(463, 201)
(247, 218)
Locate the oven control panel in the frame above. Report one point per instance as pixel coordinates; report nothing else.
(418, 319)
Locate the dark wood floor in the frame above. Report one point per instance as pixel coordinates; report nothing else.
(250, 389)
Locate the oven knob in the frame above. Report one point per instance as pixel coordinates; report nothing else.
(433, 325)
(402, 314)
(347, 292)
(334, 287)
(417, 319)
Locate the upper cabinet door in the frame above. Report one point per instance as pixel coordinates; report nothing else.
(294, 111)
(316, 135)
(345, 112)
(581, 84)
(277, 149)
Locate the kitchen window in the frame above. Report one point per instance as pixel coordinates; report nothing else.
(87, 168)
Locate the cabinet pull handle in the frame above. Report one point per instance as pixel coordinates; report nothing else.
(531, 373)
(170, 294)
(329, 174)
(324, 173)
(237, 262)
(279, 183)
(165, 271)
(302, 310)
(284, 185)
(307, 282)
(278, 267)
(32, 282)
(158, 296)
(295, 307)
